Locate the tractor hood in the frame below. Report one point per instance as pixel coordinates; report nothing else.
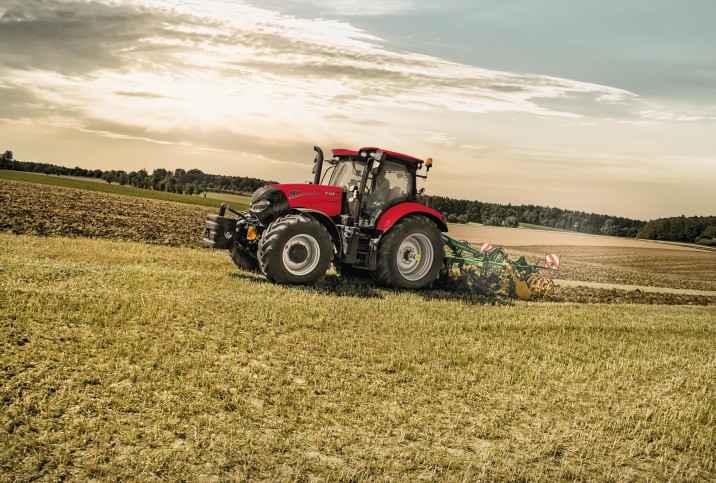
(274, 200)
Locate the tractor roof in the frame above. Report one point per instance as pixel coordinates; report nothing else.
(391, 154)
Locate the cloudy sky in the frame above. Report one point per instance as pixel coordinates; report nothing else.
(603, 106)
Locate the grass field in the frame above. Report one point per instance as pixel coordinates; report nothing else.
(103, 187)
(530, 226)
(124, 360)
(130, 354)
(241, 201)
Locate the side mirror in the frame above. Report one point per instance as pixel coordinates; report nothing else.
(378, 158)
(353, 190)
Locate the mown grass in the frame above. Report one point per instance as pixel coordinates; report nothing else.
(127, 361)
(541, 227)
(91, 185)
(232, 199)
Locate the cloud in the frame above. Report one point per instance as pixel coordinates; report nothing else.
(146, 95)
(652, 115)
(356, 8)
(214, 65)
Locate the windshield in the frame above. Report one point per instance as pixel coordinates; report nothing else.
(348, 172)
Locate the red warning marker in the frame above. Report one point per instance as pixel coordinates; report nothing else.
(485, 247)
(552, 261)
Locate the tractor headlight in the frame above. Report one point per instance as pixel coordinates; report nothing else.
(259, 206)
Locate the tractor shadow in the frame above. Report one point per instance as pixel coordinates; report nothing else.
(332, 284)
(341, 286)
(364, 288)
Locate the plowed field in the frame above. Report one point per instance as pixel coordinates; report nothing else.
(611, 260)
(35, 209)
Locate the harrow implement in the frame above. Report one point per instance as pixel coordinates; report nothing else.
(527, 283)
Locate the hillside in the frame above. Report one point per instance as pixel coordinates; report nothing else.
(128, 361)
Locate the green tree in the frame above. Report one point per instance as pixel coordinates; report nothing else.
(511, 222)
(108, 176)
(610, 228)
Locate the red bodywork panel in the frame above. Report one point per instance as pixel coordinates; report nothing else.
(344, 152)
(323, 198)
(398, 211)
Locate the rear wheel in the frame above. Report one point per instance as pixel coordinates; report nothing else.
(410, 254)
(295, 249)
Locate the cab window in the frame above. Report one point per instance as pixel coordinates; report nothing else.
(347, 173)
(392, 182)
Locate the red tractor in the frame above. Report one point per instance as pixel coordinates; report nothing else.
(365, 219)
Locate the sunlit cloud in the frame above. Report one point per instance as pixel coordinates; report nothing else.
(178, 66)
(362, 7)
(651, 115)
(238, 88)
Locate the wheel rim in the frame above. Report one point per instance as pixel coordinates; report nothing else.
(301, 254)
(414, 257)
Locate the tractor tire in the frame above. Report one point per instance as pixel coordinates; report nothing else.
(295, 249)
(243, 259)
(410, 254)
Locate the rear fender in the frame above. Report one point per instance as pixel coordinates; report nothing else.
(395, 213)
(324, 220)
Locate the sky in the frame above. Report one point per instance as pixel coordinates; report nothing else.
(602, 106)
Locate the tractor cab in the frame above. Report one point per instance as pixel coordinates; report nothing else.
(374, 180)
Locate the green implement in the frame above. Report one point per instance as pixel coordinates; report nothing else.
(461, 255)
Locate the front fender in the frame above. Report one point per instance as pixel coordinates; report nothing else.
(395, 213)
(324, 220)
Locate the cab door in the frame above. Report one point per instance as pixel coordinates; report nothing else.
(392, 184)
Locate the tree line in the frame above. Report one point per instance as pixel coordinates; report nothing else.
(692, 229)
(494, 214)
(191, 182)
(194, 182)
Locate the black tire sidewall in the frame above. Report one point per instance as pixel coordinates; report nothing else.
(270, 253)
(387, 272)
(243, 259)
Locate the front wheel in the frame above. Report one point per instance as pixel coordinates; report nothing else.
(295, 249)
(242, 258)
(410, 254)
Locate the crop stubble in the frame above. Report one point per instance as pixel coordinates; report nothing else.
(131, 361)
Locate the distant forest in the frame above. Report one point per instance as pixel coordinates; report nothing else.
(463, 211)
(692, 229)
(194, 182)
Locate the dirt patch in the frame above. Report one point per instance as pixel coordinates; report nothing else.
(527, 237)
(650, 266)
(584, 295)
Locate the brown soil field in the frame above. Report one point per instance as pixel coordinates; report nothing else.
(593, 258)
(528, 237)
(36, 209)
